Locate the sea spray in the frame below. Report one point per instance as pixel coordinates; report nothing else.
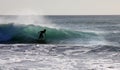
(27, 20)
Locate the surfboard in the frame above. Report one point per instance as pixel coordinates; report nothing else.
(41, 41)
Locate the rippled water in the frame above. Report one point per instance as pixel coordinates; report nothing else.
(58, 57)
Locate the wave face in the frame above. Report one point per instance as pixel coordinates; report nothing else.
(10, 33)
(83, 30)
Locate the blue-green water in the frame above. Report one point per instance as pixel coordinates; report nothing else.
(72, 43)
(60, 29)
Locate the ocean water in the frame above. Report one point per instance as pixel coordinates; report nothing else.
(61, 29)
(71, 43)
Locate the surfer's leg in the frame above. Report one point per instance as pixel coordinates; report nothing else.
(42, 37)
(39, 37)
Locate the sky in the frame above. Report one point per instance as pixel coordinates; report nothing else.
(59, 7)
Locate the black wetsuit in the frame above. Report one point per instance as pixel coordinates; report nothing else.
(42, 34)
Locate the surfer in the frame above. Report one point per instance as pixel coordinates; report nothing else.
(42, 34)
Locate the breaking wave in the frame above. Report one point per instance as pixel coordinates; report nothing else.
(10, 33)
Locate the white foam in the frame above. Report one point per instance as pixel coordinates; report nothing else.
(27, 20)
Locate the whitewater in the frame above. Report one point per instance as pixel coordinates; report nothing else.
(72, 42)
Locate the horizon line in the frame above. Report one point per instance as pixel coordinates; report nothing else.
(60, 15)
